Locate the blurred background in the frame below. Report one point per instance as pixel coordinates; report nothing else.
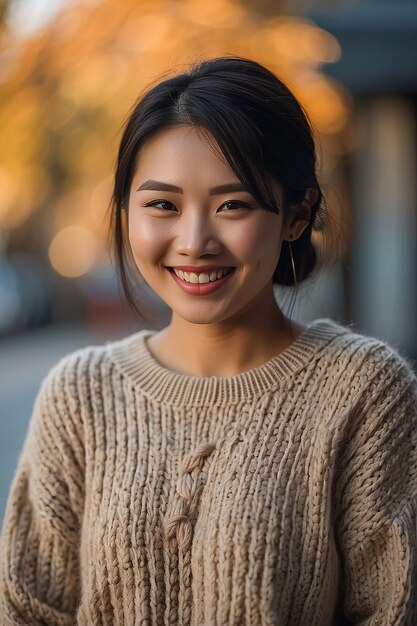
(70, 72)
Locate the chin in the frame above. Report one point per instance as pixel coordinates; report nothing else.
(199, 316)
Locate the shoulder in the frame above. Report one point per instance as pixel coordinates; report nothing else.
(375, 388)
(76, 377)
(91, 359)
(359, 357)
(377, 444)
(74, 392)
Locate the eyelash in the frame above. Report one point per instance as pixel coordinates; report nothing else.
(243, 205)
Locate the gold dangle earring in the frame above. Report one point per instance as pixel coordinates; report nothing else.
(292, 262)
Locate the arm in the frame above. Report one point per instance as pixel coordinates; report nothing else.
(39, 569)
(376, 496)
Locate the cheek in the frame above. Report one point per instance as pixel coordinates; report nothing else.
(258, 242)
(147, 239)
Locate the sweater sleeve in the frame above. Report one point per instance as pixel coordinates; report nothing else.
(376, 494)
(39, 565)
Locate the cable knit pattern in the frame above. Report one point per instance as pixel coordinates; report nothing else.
(282, 496)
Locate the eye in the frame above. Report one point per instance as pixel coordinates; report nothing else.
(235, 204)
(160, 202)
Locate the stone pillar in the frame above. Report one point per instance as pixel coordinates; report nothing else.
(384, 252)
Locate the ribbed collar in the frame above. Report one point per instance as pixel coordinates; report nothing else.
(133, 356)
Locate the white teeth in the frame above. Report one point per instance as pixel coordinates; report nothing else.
(201, 278)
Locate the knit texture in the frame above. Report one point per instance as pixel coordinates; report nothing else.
(285, 495)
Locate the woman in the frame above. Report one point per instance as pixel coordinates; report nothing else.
(235, 467)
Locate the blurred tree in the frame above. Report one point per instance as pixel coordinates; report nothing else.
(66, 89)
(4, 7)
(268, 7)
(291, 7)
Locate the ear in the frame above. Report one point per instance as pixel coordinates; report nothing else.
(300, 216)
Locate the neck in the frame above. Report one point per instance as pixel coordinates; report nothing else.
(225, 348)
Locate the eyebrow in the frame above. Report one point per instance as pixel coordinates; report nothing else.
(155, 185)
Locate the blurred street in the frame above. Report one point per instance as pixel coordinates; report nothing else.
(24, 362)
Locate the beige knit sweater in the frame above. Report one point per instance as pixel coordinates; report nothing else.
(284, 495)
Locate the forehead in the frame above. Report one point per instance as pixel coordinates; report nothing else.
(182, 151)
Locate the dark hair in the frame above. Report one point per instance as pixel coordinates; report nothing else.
(261, 129)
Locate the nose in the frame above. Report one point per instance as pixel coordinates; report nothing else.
(196, 236)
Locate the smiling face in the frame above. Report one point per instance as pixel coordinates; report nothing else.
(200, 228)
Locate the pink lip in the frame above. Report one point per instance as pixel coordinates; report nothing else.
(200, 289)
(201, 268)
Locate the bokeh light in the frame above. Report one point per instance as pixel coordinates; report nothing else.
(72, 251)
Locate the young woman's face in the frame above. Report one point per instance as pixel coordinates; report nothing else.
(199, 228)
